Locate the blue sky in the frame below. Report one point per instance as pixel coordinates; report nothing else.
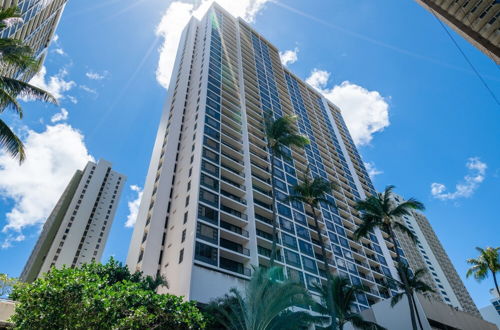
(420, 115)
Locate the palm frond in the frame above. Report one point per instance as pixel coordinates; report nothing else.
(7, 101)
(15, 53)
(405, 207)
(22, 89)
(9, 16)
(10, 142)
(396, 298)
(369, 223)
(358, 321)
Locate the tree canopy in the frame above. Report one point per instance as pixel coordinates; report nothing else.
(98, 296)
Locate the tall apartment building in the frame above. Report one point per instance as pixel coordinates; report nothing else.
(491, 312)
(478, 21)
(40, 20)
(77, 229)
(205, 216)
(428, 253)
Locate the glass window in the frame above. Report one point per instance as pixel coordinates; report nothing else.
(312, 282)
(212, 122)
(289, 241)
(209, 197)
(284, 210)
(212, 133)
(210, 155)
(210, 168)
(299, 217)
(306, 248)
(303, 233)
(309, 265)
(211, 143)
(286, 225)
(206, 253)
(209, 182)
(208, 214)
(343, 242)
(292, 258)
(295, 275)
(207, 233)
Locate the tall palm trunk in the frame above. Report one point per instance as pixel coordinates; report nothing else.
(275, 225)
(417, 312)
(496, 283)
(333, 324)
(403, 278)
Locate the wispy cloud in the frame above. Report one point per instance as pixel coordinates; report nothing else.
(96, 76)
(177, 16)
(365, 112)
(133, 206)
(289, 56)
(60, 116)
(88, 89)
(56, 85)
(470, 183)
(372, 170)
(36, 185)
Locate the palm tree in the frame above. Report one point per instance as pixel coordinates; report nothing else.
(280, 133)
(344, 295)
(15, 57)
(312, 192)
(414, 284)
(268, 302)
(488, 261)
(380, 211)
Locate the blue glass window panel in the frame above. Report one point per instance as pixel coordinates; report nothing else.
(306, 248)
(303, 232)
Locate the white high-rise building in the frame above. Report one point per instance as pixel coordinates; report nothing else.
(491, 312)
(206, 210)
(428, 253)
(77, 229)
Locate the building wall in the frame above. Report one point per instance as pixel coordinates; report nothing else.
(79, 229)
(206, 209)
(477, 21)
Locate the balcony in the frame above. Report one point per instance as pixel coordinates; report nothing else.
(234, 229)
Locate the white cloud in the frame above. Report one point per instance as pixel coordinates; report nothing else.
(289, 56)
(59, 51)
(72, 99)
(470, 184)
(96, 76)
(365, 112)
(372, 170)
(177, 16)
(55, 85)
(60, 116)
(36, 185)
(88, 89)
(133, 207)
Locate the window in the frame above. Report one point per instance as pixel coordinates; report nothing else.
(306, 248)
(189, 186)
(207, 233)
(208, 214)
(210, 155)
(295, 275)
(309, 265)
(206, 253)
(289, 241)
(209, 182)
(183, 238)
(181, 255)
(187, 201)
(286, 225)
(209, 197)
(210, 168)
(303, 232)
(185, 217)
(292, 258)
(212, 144)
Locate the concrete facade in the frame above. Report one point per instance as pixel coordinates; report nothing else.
(478, 21)
(491, 312)
(205, 215)
(77, 229)
(40, 20)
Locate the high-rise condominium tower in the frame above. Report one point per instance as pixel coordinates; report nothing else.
(205, 216)
(40, 19)
(478, 21)
(428, 253)
(77, 229)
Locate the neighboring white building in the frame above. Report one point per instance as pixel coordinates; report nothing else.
(77, 229)
(427, 252)
(206, 210)
(491, 312)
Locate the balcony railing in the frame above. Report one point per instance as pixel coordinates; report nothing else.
(234, 229)
(232, 211)
(234, 266)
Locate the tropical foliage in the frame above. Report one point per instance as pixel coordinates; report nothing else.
(6, 284)
(344, 296)
(268, 302)
(414, 284)
(15, 58)
(487, 262)
(280, 133)
(381, 211)
(312, 192)
(100, 297)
